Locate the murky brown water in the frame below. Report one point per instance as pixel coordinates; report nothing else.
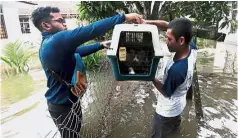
(125, 109)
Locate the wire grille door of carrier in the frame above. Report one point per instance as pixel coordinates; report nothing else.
(135, 53)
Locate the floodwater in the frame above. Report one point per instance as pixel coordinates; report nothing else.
(125, 109)
(128, 107)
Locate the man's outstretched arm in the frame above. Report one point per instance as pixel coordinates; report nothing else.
(163, 25)
(83, 34)
(92, 48)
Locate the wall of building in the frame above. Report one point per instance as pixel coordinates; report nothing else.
(12, 23)
(11, 16)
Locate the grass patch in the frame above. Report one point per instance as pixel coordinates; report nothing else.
(205, 60)
(15, 88)
(205, 43)
(4, 120)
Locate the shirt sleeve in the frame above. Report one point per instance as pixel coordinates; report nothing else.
(193, 45)
(175, 77)
(81, 35)
(88, 49)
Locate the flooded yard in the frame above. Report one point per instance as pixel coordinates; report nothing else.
(129, 106)
(125, 109)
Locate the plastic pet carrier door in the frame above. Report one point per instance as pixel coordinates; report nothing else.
(135, 51)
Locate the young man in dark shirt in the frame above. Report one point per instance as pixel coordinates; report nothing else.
(61, 52)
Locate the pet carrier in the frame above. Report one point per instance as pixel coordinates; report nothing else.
(135, 51)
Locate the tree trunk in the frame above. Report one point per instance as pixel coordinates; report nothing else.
(139, 7)
(164, 9)
(155, 12)
(147, 9)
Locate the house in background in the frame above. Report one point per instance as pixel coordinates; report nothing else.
(13, 25)
(16, 23)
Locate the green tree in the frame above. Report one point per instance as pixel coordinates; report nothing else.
(206, 14)
(95, 10)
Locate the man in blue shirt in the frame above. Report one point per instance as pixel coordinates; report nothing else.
(60, 54)
(178, 74)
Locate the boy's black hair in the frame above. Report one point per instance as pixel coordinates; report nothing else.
(182, 27)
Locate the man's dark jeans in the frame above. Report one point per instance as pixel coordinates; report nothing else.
(67, 120)
(163, 126)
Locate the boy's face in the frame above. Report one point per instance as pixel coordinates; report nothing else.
(171, 42)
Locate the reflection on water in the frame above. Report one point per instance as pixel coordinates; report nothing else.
(219, 94)
(219, 105)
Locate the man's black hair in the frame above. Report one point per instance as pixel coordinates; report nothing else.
(42, 14)
(182, 27)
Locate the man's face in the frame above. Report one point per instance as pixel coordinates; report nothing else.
(56, 23)
(171, 42)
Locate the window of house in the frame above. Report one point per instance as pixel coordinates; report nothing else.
(25, 25)
(3, 31)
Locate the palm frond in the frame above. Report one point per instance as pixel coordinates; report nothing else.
(16, 55)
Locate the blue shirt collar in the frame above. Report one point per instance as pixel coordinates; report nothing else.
(45, 33)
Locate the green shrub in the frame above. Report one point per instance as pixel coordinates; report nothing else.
(16, 56)
(205, 43)
(93, 60)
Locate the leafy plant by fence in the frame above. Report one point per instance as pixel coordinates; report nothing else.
(92, 61)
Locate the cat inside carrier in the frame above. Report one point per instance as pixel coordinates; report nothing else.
(135, 51)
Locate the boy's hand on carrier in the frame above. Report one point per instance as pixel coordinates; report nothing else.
(134, 18)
